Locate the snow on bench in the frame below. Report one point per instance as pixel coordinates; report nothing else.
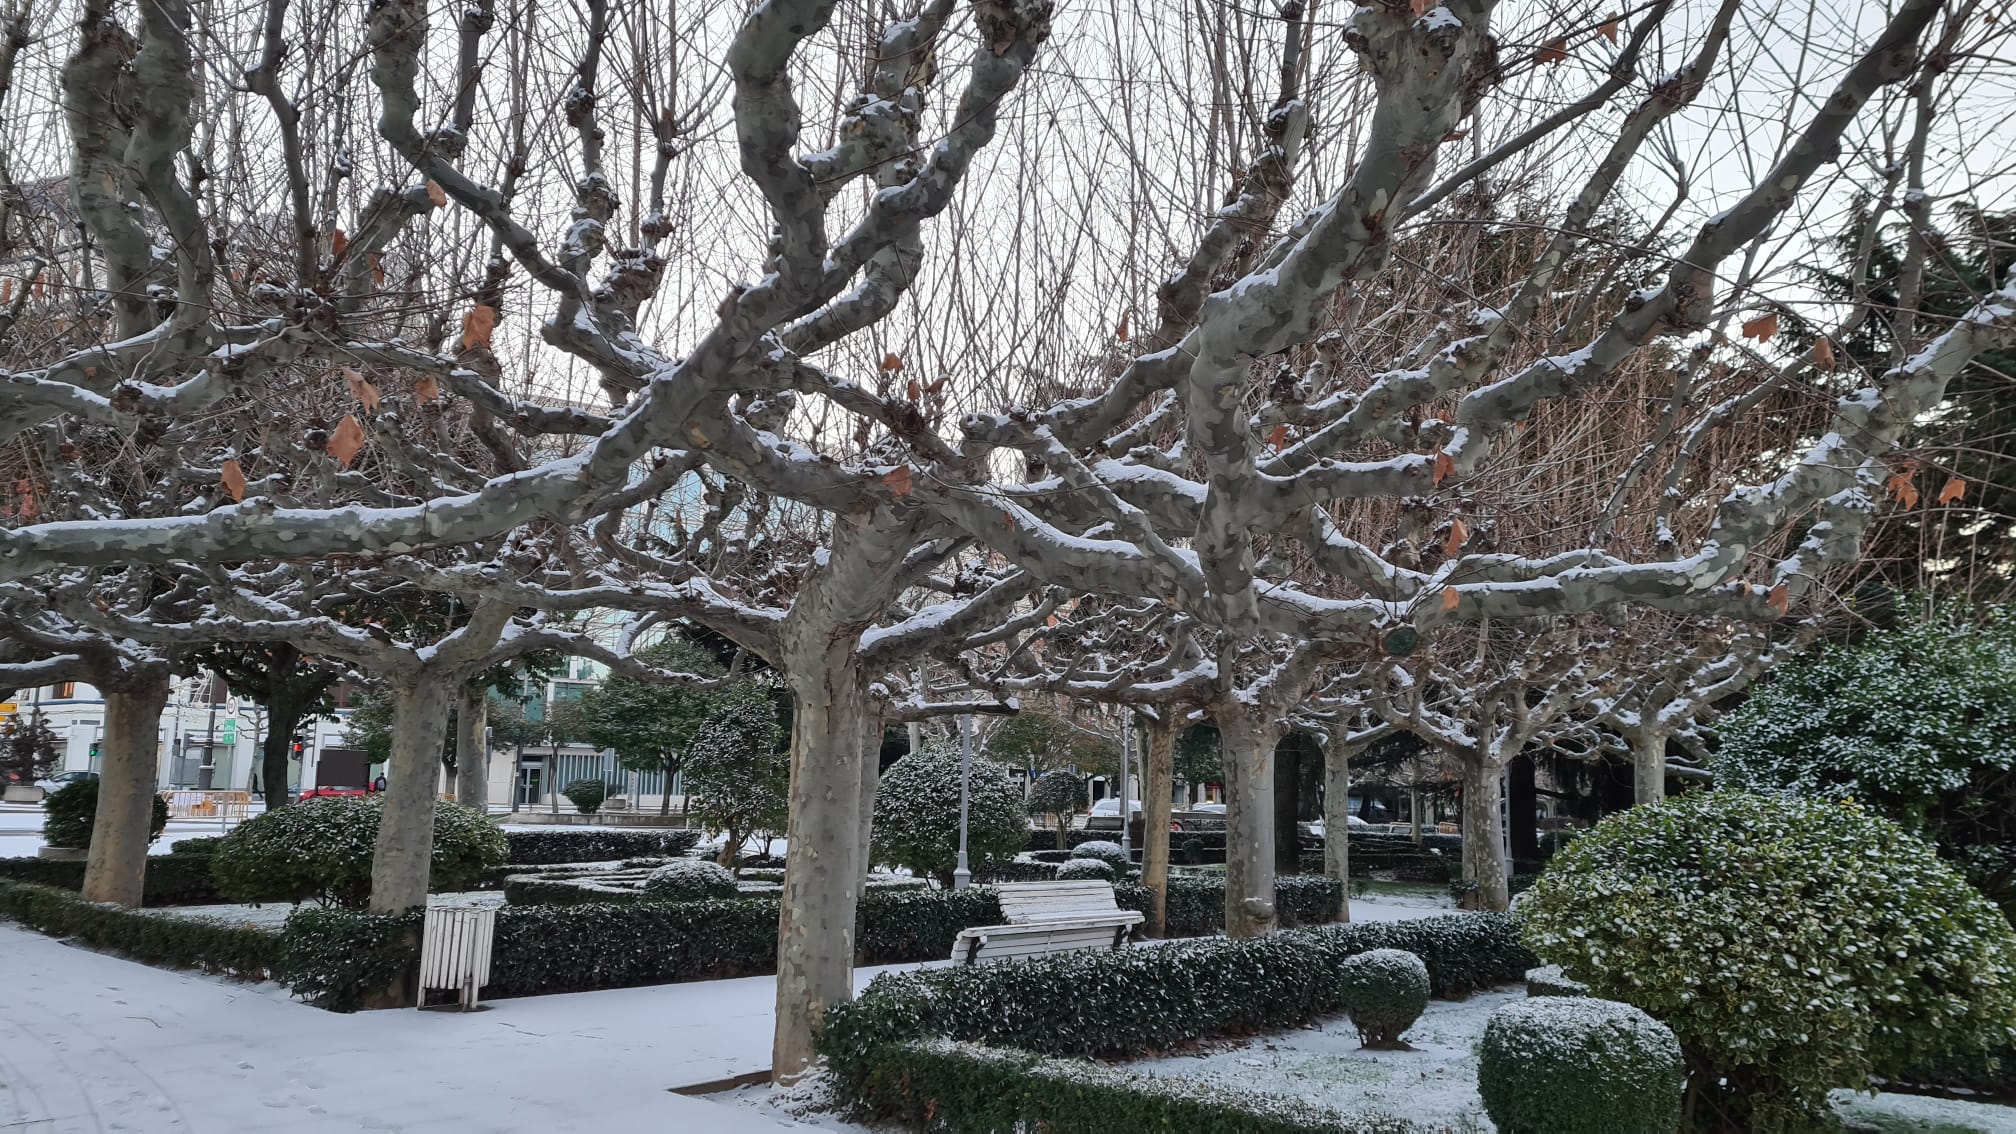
(1047, 917)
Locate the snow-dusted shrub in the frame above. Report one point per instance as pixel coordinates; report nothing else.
(1792, 945)
(538, 848)
(1112, 854)
(691, 880)
(1385, 991)
(586, 795)
(213, 946)
(320, 850)
(1058, 795)
(917, 814)
(1549, 980)
(1917, 723)
(1082, 869)
(1577, 1065)
(71, 809)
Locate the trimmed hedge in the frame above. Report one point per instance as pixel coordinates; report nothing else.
(1197, 905)
(1578, 1065)
(151, 939)
(540, 848)
(966, 1088)
(1549, 980)
(1385, 991)
(340, 959)
(175, 879)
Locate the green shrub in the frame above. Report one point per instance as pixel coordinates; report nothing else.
(1577, 1065)
(1793, 946)
(1016, 870)
(586, 795)
(1083, 869)
(539, 848)
(321, 849)
(1196, 905)
(203, 845)
(690, 880)
(1385, 991)
(969, 1089)
(170, 879)
(1099, 850)
(343, 959)
(71, 809)
(917, 814)
(1549, 980)
(151, 939)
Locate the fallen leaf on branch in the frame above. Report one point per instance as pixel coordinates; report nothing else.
(1609, 29)
(1553, 51)
(1279, 436)
(891, 363)
(1450, 599)
(346, 442)
(426, 389)
(936, 388)
(913, 390)
(1459, 534)
(233, 479)
(362, 389)
(1955, 489)
(436, 195)
(1420, 7)
(339, 243)
(377, 271)
(1762, 327)
(1444, 465)
(1120, 332)
(477, 325)
(1823, 353)
(1902, 489)
(1780, 598)
(898, 480)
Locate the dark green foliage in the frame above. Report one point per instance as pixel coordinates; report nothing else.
(970, 1089)
(1016, 870)
(1385, 991)
(651, 724)
(737, 776)
(1549, 980)
(171, 880)
(538, 848)
(586, 795)
(72, 808)
(1082, 869)
(690, 880)
(917, 814)
(1577, 1065)
(29, 749)
(204, 845)
(1794, 946)
(340, 959)
(1196, 905)
(320, 850)
(150, 939)
(1102, 851)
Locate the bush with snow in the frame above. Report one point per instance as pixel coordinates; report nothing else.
(586, 795)
(917, 814)
(1577, 1065)
(1550, 980)
(1793, 946)
(1385, 991)
(320, 850)
(1110, 853)
(691, 880)
(71, 810)
(1082, 869)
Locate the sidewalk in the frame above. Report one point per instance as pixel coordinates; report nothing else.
(90, 1042)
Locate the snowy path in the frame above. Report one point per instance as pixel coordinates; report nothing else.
(93, 1043)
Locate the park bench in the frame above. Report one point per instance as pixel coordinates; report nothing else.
(1047, 917)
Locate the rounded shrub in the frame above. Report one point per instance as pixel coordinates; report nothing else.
(917, 814)
(71, 810)
(691, 880)
(1080, 869)
(586, 795)
(1793, 946)
(1112, 854)
(320, 850)
(1549, 980)
(1385, 991)
(1577, 1065)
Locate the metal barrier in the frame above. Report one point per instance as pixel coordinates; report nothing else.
(208, 804)
(455, 950)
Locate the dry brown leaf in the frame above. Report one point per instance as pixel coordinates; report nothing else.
(891, 363)
(1955, 489)
(426, 389)
(1902, 489)
(935, 388)
(1444, 465)
(898, 480)
(1120, 332)
(1009, 519)
(1780, 599)
(913, 390)
(1762, 327)
(7, 290)
(1459, 534)
(477, 325)
(377, 271)
(233, 479)
(1420, 7)
(1609, 29)
(346, 442)
(41, 285)
(362, 389)
(339, 243)
(1553, 51)
(436, 195)
(1450, 599)
(1279, 436)
(1823, 353)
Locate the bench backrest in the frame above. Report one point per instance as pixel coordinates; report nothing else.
(1051, 901)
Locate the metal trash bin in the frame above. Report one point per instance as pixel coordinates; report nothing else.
(455, 950)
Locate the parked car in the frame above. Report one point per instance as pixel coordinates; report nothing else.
(1105, 815)
(63, 780)
(331, 792)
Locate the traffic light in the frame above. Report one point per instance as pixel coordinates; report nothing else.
(94, 750)
(299, 746)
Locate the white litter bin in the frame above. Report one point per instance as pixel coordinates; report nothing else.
(455, 950)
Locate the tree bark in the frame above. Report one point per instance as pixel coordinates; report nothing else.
(871, 779)
(1483, 834)
(472, 756)
(284, 715)
(115, 870)
(1337, 819)
(665, 796)
(405, 848)
(823, 861)
(1648, 766)
(1158, 782)
(1248, 749)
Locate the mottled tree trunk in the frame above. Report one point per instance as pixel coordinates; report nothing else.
(1248, 749)
(283, 716)
(472, 755)
(1337, 819)
(1483, 834)
(405, 848)
(1158, 783)
(1648, 766)
(116, 868)
(871, 778)
(823, 862)
(665, 796)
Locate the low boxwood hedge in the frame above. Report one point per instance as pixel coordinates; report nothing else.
(340, 959)
(151, 939)
(938, 1084)
(538, 848)
(175, 879)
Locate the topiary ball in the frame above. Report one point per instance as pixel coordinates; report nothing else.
(1385, 991)
(72, 810)
(691, 880)
(1549, 980)
(1079, 869)
(1578, 1065)
(1102, 851)
(321, 850)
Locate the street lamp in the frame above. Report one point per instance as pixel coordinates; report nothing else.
(961, 876)
(1126, 816)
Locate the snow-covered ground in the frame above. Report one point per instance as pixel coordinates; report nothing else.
(272, 915)
(21, 831)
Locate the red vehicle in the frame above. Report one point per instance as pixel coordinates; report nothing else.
(332, 792)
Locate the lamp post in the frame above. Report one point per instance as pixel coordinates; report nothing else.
(1126, 818)
(961, 875)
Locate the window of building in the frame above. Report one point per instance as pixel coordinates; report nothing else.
(64, 690)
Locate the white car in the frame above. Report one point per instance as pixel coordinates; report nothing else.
(63, 780)
(1110, 807)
